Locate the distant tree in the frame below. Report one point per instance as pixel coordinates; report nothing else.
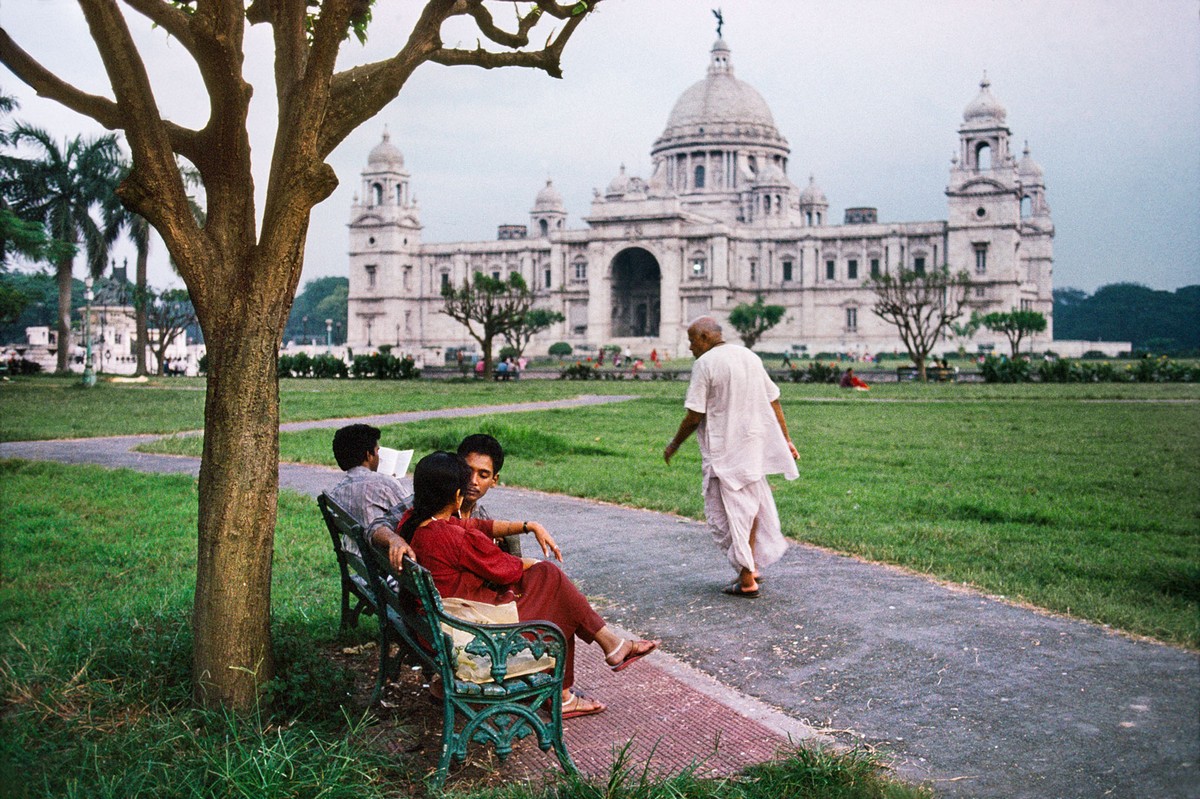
(528, 325)
(59, 188)
(751, 320)
(1129, 312)
(13, 302)
(168, 313)
(42, 302)
(321, 298)
(488, 308)
(560, 349)
(1015, 325)
(922, 306)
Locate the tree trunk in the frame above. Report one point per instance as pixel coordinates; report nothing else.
(65, 269)
(920, 361)
(239, 482)
(142, 339)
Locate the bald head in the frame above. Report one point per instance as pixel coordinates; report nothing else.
(704, 333)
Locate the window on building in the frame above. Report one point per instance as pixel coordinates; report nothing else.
(981, 259)
(376, 194)
(581, 270)
(874, 267)
(495, 274)
(787, 271)
(370, 268)
(753, 270)
(980, 292)
(1026, 207)
(1026, 305)
(699, 266)
(829, 269)
(400, 194)
(852, 269)
(808, 218)
(699, 180)
(547, 277)
(445, 281)
(544, 226)
(407, 273)
(919, 264)
(852, 319)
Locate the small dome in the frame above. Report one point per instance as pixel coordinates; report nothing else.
(985, 107)
(385, 154)
(771, 175)
(812, 194)
(1028, 169)
(618, 185)
(548, 199)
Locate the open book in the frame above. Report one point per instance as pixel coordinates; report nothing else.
(394, 462)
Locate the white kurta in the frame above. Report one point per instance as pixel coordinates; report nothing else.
(740, 444)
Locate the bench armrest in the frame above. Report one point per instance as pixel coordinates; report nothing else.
(499, 643)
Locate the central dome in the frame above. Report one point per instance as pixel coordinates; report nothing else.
(720, 108)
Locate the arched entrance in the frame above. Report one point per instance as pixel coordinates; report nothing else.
(636, 293)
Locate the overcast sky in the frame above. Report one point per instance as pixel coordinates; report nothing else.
(869, 94)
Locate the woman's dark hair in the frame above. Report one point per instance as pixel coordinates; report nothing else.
(436, 478)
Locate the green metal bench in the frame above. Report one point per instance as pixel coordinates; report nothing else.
(498, 712)
(356, 579)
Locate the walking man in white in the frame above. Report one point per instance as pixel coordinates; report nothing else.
(733, 407)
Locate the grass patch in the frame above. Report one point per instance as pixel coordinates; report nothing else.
(95, 600)
(1083, 507)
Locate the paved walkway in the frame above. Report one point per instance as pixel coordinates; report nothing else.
(973, 695)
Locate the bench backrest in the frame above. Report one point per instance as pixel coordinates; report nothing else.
(344, 527)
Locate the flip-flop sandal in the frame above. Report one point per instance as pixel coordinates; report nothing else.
(736, 590)
(572, 710)
(633, 656)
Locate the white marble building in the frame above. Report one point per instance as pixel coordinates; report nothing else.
(717, 223)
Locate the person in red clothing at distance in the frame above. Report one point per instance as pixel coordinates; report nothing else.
(465, 562)
(851, 380)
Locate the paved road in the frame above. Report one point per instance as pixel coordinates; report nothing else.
(974, 695)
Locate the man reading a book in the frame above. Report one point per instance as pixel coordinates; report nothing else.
(376, 500)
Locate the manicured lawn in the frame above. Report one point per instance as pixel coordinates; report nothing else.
(1082, 499)
(1079, 506)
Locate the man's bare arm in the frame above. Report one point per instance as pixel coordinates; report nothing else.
(775, 406)
(691, 421)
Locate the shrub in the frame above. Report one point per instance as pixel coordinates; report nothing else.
(1093, 355)
(817, 372)
(329, 365)
(999, 369)
(580, 371)
(560, 349)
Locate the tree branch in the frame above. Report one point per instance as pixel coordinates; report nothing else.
(170, 18)
(360, 93)
(50, 86)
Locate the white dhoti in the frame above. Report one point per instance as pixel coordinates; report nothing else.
(731, 515)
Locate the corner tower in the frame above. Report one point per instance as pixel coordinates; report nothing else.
(385, 240)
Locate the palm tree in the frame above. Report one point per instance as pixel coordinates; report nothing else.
(59, 189)
(118, 219)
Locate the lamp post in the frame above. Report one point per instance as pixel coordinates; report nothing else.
(328, 334)
(89, 376)
(304, 334)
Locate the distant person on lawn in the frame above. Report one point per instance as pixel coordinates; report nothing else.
(733, 408)
(375, 500)
(465, 563)
(851, 380)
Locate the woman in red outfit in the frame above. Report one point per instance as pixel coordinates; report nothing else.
(465, 562)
